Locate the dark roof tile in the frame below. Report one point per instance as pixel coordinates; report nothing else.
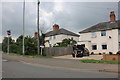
(103, 26)
(61, 31)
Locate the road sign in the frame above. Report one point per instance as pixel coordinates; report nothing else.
(8, 32)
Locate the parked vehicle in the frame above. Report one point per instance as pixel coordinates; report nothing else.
(118, 53)
(82, 51)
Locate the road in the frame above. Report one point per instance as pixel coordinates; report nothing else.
(17, 69)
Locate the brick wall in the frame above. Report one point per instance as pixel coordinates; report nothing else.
(108, 57)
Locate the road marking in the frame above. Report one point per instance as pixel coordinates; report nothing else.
(4, 60)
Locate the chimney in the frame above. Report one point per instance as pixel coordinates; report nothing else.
(112, 17)
(55, 27)
(35, 34)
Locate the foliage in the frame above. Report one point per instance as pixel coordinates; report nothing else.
(66, 42)
(99, 61)
(30, 45)
(16, 47)
(5, 42)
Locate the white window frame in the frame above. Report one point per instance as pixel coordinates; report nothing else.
(93, 35)
(103, 33)
(50, 38)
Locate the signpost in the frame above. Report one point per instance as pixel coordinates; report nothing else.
(41, 49)
(8, 48)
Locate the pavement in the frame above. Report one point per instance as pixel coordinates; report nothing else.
(63, 63)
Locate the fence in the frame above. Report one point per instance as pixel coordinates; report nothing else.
(57, 51)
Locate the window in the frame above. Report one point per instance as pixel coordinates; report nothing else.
(93, 35)
(94, 47)
(119, 45)
(104, 46)
(103, 33)
(119, 31)
(50, 38)
(54, 37)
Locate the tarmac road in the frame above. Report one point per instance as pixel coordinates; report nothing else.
(14, 69)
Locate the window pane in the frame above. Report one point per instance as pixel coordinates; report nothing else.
(94, 47)
(103, 33)
(104, 46)
(50, 38)
(93, 35)
(119, 45)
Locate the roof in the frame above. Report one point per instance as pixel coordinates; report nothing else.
(103, 26)
(61, 31)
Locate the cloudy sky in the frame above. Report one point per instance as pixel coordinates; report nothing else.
(73, 16)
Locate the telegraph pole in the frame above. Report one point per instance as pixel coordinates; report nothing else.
(8, 45)
(38, 36)
(8, 48)
(23, 49)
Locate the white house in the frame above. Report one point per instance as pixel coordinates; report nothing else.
(57, 35)
(103, 37)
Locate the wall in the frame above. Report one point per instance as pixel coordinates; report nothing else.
(99, 40)
(57, 51)
(119, 38)
(111, 57)
(0, 46)
(59, 39)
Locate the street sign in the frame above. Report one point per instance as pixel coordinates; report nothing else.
(8, 32)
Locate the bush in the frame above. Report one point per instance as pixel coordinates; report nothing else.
(16, 47)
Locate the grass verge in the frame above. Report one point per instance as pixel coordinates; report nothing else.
(99, 61)
(30, 56)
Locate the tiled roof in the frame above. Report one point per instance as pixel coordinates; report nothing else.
(61, 31)
(103, 26)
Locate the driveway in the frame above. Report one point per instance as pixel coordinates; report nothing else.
(95, 57)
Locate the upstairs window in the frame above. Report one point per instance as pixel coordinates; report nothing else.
(54, 37)
(93, 35)
(103, 33)
(50, 38)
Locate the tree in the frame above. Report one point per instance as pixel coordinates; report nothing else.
(30, 45)
(5, 43)
(67, 42)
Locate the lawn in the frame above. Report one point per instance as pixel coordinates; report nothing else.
(99, 61)
(30, 56)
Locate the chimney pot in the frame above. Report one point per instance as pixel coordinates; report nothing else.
(55, 27)
(112, 16)
(35, 34)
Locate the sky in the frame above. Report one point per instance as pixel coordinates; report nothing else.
(73, 16)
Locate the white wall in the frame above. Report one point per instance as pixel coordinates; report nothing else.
(59, 38)
(119, 38)
(99, 40)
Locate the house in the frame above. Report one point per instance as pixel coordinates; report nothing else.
(0, 46)
(103, 37)
(57, 35)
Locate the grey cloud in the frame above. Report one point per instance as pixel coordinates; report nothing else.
(75, 16)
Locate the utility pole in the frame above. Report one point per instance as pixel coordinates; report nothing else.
(8, 45)
(8, 48)
(23, 49)
(38, 36)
